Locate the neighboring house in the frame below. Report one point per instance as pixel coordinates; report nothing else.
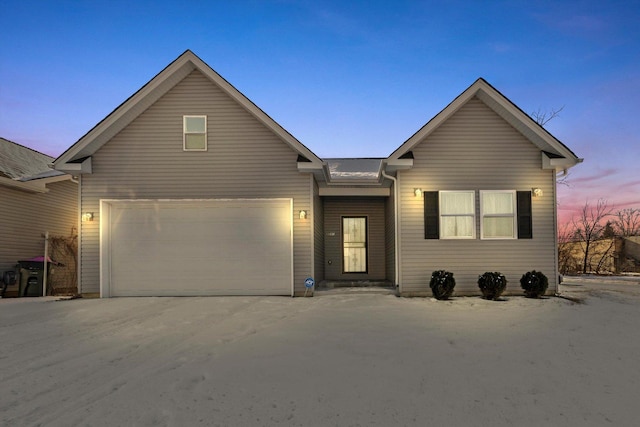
(34, 199)
(610, 255)
(191, 189)
(628, 257)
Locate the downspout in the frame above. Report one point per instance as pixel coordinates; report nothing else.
(45, 264)
(396, 227)
(555, 234)
(312, 231)
(79, 253)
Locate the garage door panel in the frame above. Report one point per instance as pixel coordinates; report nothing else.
(227, 229)
(212, 247)
(236, 273)
(255, 256)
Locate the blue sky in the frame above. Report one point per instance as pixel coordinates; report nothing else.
(347, 78)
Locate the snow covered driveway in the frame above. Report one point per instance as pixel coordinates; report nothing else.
(334, 360)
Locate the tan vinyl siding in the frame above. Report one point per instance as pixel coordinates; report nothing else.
(26, 217)
(476, 150)
(318, 230)
(374, 209)
(146, 161)
(390, 238)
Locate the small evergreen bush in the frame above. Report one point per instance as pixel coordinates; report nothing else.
(442, 284)
(534, 283)
(492, 285)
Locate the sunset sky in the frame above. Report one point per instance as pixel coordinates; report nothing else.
(347, 78)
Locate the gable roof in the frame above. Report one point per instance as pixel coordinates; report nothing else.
(78, 157)
(556, 155)
(17, 161)
(26, 169)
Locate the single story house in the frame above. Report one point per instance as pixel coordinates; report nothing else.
(34, 199)
(188, 188)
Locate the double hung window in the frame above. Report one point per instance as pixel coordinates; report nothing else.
(504, 214)
(498, 213)
(457, 215)
(195, 133)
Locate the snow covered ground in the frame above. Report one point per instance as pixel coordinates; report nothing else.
(334, 360)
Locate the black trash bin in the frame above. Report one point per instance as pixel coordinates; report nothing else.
(8, 278)
(31, 278)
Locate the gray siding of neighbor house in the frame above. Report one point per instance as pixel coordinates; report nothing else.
(318, 230)
(632, 246)
(146, 161)
(26, 217)
(390, 238)
(374, 209)
(475, 149)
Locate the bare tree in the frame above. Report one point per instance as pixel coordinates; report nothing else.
(566, 233)
(589, 228)
(566, 259)
(542, 117)
(627, 222)
(606, 251)
(563, 180)
(64, 250)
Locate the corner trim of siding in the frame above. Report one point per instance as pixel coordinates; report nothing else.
(79, 222)
(556, 278)
(312, 227)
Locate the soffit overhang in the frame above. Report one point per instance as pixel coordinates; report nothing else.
(35, 185)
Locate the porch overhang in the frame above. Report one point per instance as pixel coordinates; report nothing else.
(355, 191)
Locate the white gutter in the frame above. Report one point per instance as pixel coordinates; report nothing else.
(37, 185)
(396, 228)
(29, 186)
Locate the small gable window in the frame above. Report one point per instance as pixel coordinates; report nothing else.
(457, 215)
(498, 214)
(195, 133)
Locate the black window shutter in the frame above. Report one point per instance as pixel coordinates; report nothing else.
(525, 227)
(431, 215)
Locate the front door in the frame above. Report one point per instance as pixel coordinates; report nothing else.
(354, 244)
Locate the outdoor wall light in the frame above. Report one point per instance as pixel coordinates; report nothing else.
(417, 192)
(87, 216)
(537, 192)
(303, 214)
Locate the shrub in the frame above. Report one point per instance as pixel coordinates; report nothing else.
(442, 284)
(492, 285)
(534, 283)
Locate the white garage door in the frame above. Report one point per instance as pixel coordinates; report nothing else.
(199, 247)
